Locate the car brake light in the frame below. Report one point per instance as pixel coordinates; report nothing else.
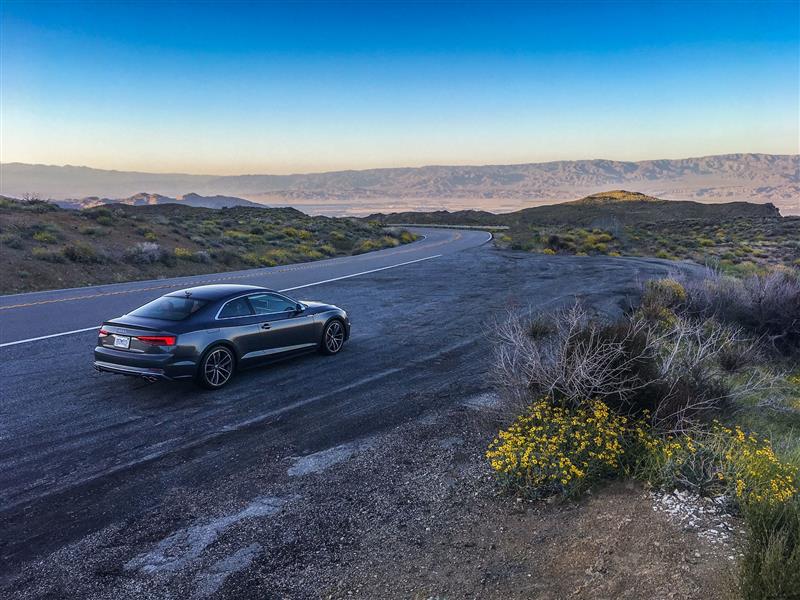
(157, 340)
(103, 332)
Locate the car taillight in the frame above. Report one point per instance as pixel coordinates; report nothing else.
(103, 332)
(157, 340)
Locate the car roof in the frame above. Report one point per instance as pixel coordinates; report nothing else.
(218, 291)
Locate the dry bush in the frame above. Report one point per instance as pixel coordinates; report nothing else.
(676, 371)
(766, 305)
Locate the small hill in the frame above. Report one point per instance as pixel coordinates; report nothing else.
(615, 196)
(43, 246)
(605, 209)
(148, 199)
(736, 236)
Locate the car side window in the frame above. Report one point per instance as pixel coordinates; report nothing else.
(265, 304)
(238, 307)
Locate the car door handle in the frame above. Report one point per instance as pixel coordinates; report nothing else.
(266, 326)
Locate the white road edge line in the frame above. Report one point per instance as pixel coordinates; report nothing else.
(297, 287)
(410, 262)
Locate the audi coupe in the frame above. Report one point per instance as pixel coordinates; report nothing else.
(207, 333)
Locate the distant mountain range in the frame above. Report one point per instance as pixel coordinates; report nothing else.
(145, 199)
(731, 177)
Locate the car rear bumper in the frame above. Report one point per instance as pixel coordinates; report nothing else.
(146, 373)
(148, 366)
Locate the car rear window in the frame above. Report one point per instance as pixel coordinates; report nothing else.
(169, 308)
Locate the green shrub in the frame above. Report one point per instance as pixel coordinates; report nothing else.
(770, 565)
(252, 258)
(406, 237)
(45, 237)
(82, 253)
(11, 240)
(183, 253)
(293, 232)
(367, 246)
(40, 253)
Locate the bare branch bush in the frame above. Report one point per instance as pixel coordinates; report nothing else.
(673, 370)
(766, 304)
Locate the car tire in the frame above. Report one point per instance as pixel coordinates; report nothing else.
(332, 337)
(216, 368)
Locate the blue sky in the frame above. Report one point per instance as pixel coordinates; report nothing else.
(242, 87)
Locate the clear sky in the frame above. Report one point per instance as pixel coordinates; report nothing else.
(274, 87)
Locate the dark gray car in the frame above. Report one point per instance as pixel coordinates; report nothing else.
(208, 332)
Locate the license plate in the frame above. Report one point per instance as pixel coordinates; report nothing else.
(122, 341)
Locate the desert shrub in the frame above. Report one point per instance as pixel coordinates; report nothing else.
(45, 237)
(277, 256)
(82, 253)
(341, 242)
(306, 252)
(201, 256)
(328, 250)
(670, 368)
(719, 461)
(367, 246)
(406, 237)
(388, 241)
(104, 220)
(239, 236)
(226, 256)
(764, 304)
(561, 243)
(252, 258)
(549, 251)
(40, 253)
(770, 565)
(183, 253)
(575, 359)
(553, 450)
(144, 253)
(293, 232)
(663, 293)
(11, 240)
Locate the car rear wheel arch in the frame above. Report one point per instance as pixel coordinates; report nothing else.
(211, 348)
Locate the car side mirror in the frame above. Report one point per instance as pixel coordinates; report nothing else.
(299, 308)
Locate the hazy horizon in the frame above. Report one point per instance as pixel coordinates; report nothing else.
(409, 166)
(242, 88)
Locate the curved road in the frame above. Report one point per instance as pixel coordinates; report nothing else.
(82, 453)
(37, 314)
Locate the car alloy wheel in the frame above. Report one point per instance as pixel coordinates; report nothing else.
(334, 337)
(218, 367)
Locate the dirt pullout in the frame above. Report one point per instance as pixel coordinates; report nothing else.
(413, 513)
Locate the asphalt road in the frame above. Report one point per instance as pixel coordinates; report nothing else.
(82, 452)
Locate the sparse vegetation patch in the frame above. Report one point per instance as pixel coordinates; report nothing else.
(123, 243)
